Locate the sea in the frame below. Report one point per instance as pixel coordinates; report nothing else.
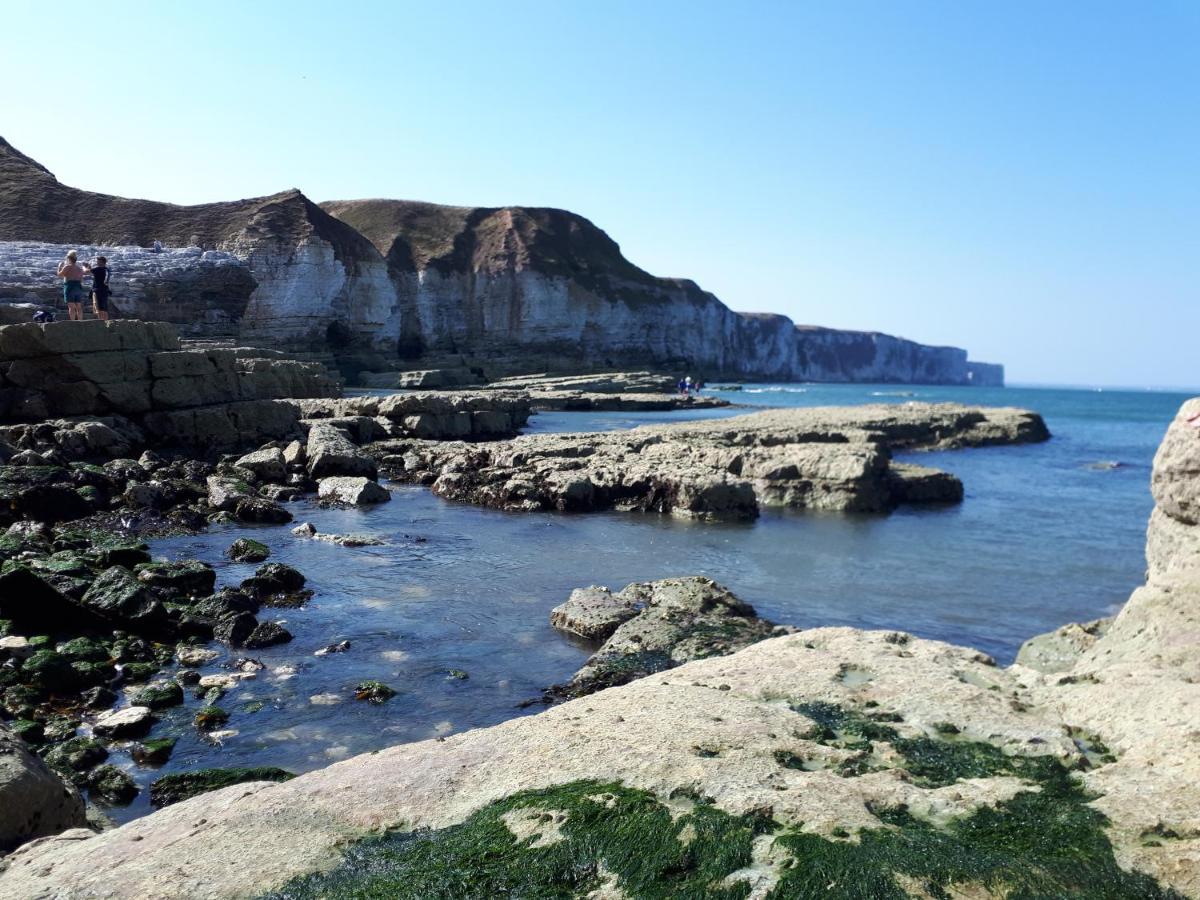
(453, 611)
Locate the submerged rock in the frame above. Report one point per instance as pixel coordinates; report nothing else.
(373, 691)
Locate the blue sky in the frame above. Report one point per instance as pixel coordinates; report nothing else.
(1016, 178)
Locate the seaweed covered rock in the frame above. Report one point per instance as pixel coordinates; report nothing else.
(248, 550)
(175, 788)
(117, 595)
(656, 626)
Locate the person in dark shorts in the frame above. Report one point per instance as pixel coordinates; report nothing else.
(100, 291)
(71, 272)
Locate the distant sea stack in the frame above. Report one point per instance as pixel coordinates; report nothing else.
(382, 283)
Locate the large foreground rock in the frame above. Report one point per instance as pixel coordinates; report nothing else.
(33, 800)
(835, 458)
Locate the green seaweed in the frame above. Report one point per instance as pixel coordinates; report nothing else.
(1045, 843)
(608, 829)
(1040, 844)
(175, 788)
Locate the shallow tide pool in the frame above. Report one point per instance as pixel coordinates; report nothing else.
(1047, 534)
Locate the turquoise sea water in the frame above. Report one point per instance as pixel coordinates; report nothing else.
(1044, 536)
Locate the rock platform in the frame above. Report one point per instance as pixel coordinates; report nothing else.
(834, 458)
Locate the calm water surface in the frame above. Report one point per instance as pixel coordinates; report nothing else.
(1043, 537)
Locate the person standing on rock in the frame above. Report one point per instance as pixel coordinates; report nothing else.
(71, 272)
(100, 291)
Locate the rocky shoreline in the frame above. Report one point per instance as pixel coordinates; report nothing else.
(701, 750)
(825, 762)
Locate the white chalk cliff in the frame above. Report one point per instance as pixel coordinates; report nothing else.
(520, 289)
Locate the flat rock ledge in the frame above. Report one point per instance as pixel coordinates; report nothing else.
(831, 458)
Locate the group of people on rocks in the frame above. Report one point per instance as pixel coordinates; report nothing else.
(687, 386)
(72, 272)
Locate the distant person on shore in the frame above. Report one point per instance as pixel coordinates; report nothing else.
(71, 273)
(157, 248)
(100, 291)
(683, 387)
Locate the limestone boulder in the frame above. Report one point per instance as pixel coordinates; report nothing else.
(132, 721)
(329, 452)
(593, 613)
(268, 464)
(1175, 482)
(348, 491)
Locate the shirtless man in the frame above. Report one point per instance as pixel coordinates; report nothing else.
(71, 272)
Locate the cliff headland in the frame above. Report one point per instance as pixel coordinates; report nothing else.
(388, 284)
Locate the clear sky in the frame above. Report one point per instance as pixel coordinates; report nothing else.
(1018, 178)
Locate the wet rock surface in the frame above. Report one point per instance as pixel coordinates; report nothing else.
(825, 458)
(655, 626)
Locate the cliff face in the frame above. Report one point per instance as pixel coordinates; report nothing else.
(523, 289)
(273, 267)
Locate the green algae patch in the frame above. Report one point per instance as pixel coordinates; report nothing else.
(1040, 844)
(175, 788)
(568, 841)
(597, 834)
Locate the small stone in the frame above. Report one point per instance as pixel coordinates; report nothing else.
(339, 647)
(209, 718)
(247, 550)
(153, 752)
(195, 656)
(373, 691)
(131, 721)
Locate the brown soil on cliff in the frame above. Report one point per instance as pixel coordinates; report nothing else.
(415, 236)
(35, 206)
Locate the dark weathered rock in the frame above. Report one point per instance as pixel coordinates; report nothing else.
(267, 634)
(185, 578)
(248, 550)
(118, 596)
(112, 785)
(35, 801)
